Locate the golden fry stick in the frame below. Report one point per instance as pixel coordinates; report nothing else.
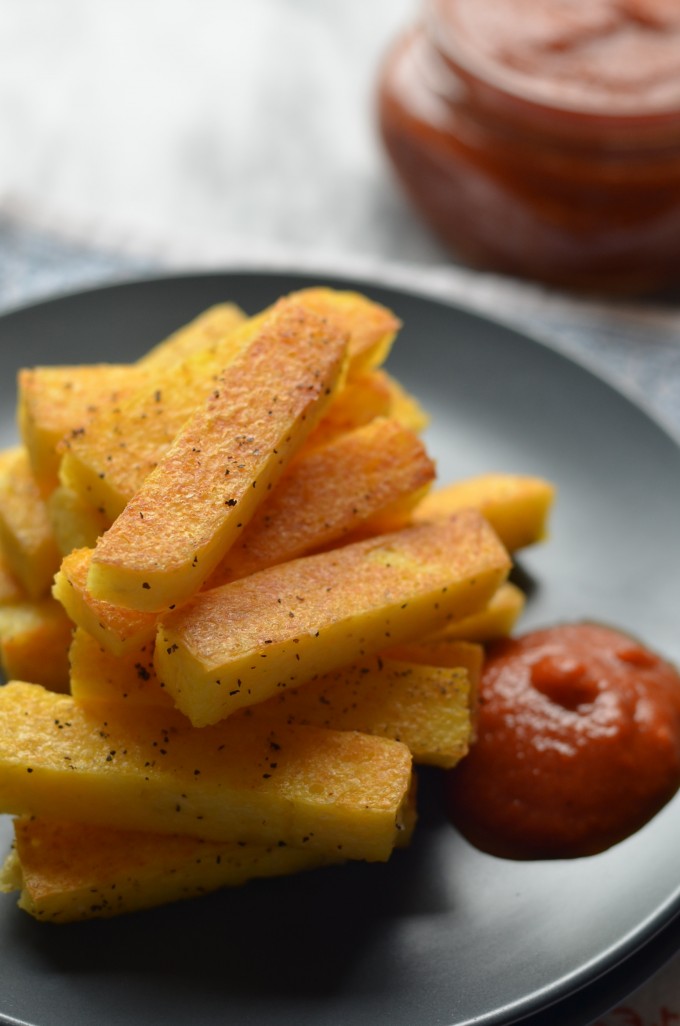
(326, 493)
(10, 589)
(322, 495)
(67, 872)
(239, 644)
(28, 544)
(117, 629)
(191, 509)
(496, 620)
(361, 400)
(98, 676)
(467, 655)
(106, 457)
(371, 327)
(404, 407)
(428, 708)
(35, 637)
(206, 330)
(75, 523)
(516, 506)
(53, 401)
(146, 769)
(425, 707)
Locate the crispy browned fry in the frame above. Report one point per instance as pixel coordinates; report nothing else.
(148, 769)
(206, 331)
(516, 506)
(328, 493)
(53, 401)
(365, 397)
(34, 642)
(75, 523)
(99, 676)
(371, 327)
(496, 620)
(26, 538)
(106, 456)
(226, 459)
(323, 495)
(448, 652)
(428, 708)
(361, 400)
(116, 628)
(404, 406)
(67, 872)
(10, 589)
(239, 644)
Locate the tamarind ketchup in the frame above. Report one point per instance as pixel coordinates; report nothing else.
(578, 744)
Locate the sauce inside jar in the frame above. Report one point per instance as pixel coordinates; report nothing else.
(578, 744)
(541, 138)
(607, 56)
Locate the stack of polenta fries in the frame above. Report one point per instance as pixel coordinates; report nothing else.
(232, 613)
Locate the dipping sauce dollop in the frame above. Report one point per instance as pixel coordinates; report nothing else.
(578, 744)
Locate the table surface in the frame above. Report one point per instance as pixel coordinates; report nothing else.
(165, 136)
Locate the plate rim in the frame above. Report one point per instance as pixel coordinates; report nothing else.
(393, 278)
(361, 283)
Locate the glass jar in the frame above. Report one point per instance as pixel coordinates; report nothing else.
(541, 138)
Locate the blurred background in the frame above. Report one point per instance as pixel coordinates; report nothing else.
(194, 131)
(150, 135)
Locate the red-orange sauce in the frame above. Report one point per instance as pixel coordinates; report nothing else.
(542, 137)
(610, 56)
(578, 744)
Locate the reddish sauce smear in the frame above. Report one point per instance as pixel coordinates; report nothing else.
(578, 744)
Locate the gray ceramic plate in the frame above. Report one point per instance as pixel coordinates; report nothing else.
(442, 934)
